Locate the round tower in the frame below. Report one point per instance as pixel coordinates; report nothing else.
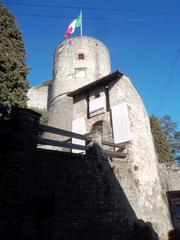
(78, 61)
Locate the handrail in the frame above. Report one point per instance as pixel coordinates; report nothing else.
(62, 132)
(65, 144)
(61, 144)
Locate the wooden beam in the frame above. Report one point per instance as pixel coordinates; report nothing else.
(115, 154)
(61, 144)
(61, 132)
(121, 146)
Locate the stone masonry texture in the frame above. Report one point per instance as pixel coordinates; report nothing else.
(141, 178)
(56, 195)
(38, 97)
(96, 64)
(47, 194)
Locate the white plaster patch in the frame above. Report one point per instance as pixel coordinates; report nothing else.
(121, 125)
(96, 104)
(78, 126)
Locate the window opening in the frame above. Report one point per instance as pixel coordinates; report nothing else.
(107, 99)
(81, 56)
(80, 72)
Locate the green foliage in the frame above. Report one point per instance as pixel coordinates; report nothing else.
(13, 70)
(161, 144)
(173, 136)
(44, 115)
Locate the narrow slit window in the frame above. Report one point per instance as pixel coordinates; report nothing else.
(81, 56)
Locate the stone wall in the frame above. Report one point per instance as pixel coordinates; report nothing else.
(174, 176)
(20, 131)
(38, 97)
(138, 174)
(170, 176)
(54, 195)
(80, 110)
(61, 110)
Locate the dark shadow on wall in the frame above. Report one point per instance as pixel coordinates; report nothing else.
(53, 195)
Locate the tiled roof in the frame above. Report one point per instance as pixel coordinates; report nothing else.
(113, 76)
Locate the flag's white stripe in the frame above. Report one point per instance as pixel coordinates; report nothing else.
(73, 25)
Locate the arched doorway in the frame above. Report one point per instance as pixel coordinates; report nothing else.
(98, 127)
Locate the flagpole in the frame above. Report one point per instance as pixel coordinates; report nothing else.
(81, 22)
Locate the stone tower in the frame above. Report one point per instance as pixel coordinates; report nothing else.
(86, 97)
(78, 61)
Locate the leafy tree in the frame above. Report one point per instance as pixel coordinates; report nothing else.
(13, 70)
(161, 144)
(173, 136)
(176, 147)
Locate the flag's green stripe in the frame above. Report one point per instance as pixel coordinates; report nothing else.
(78, 23)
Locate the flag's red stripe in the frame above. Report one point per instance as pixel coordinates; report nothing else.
(68, 32)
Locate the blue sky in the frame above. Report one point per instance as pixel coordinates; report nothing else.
(143, 38)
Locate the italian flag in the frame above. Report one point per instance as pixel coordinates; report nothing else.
(75, 24)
